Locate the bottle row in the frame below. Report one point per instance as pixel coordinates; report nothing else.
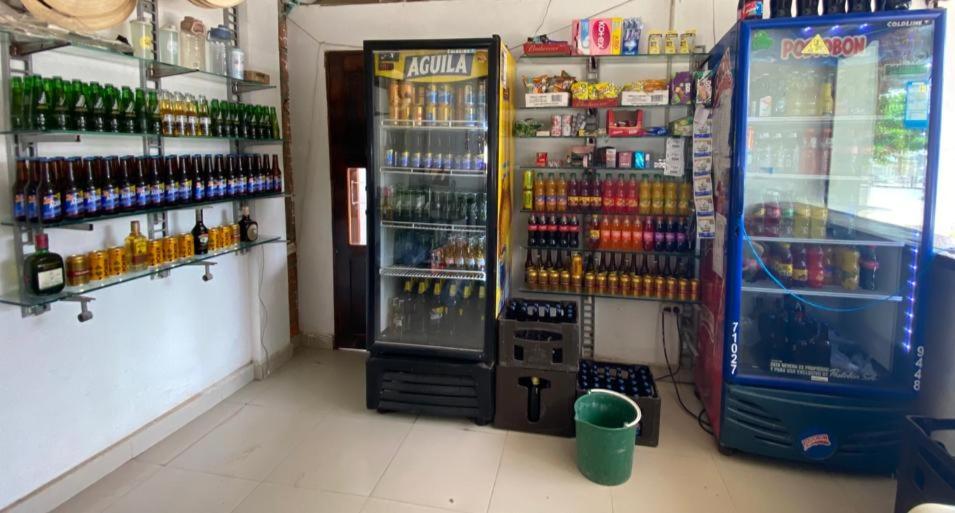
(445, 151)
(754, 9)
(773, 217)
(813, 266)
(437, 102)
(424, 205)
(45, 272)
(627, 233)
(535, 310)
(50, 190)
(807, 153)
(439, 250)
(41, 103)
(630, 380)
(437, 309)
(605, 194)
(808, 91)
(606, 273)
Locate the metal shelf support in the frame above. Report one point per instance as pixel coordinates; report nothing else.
(84, 301)
(207, 274)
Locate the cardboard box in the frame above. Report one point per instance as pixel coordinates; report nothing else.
(541, 100)
(597, 36)
(643, 98)
(256, 76)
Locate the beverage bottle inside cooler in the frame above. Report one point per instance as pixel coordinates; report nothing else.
(802, 218)
(593, 232)
(783, 264)
(657, 193)
(608, 201)
(648, 234)
(563, 228)
(670, 237)
(620, 195)
(615, 233)
(573, 233)
(659, 234)
(562, 193)
(815, 261)
(550, 188)
(772, 215)
(800, 276)
(868, 267)
(605, 235)
(583, 201)
(685, 200)
(787, 219)
(682, 236)
(626, 234)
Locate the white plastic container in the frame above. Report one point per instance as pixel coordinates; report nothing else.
(169, 44)
(236, 63)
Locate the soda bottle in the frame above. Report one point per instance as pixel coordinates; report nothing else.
(807, 7)
(682, 237)
(573, 194)
(596, 190)
(626, 234)
(540, 195)
(563, 229)
(787, 219)
(771, 215)
(657, 194)
(583, 201)
(808, 158)
(670, 205)
(860, 5)
(848, 258)
(781, 8)
(671, 233)
(619, 195)
(783, 264)
(802, 215)
(553, 231)
(637, 237)
(593, 233)
(825, 151)
(107, 186)
(605, 232)
(868, 265)
(685, 199)
(562, 193)
(800, 272)
(573, 233)
(828, 266)
(818, 221)
(833, 7)
(615, 233)
(660, 234)
(607, 199)
(648, 235)
(632, 200)
(892, 5)
(816, 267)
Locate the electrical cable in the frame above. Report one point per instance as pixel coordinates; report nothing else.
(663, 337)
(268, 357)
(698, 416)
(543, 17)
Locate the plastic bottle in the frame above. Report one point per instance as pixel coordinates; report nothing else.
(626, 234)
(573, 194)
(632, 196)
(562, 193)
(540, 195)
(815, 267)
(849, 268)
(620, 195)
(645, 197)
(657, 197)
(550, 192)
(685, 199)
(593, 233)
(637, 237)
(787, 219)
(660, 234)
(868, 265)
(670, 207)
(771, 215)
(802, 218)
(615, 233)
(800, 276)
(818, 221)
(608, 201)
(648, 235)
(583, 200)
(605, 233)
(783, 264)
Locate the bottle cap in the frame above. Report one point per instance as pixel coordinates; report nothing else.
(41, 241)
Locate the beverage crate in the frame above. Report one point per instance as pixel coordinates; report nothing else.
(556, 405)
(539, 345)
(634, 381)
(926, 471)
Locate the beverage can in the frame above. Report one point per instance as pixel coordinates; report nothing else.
(659, 285)
(170, 249)
(114, 260)
(672, 288)
(564, 280)
(684, 289)
(154, 253)
(694, 289)
(445, 96)
(77, 270)
(589, 279)
(528, 180)
(443, 112)
(236, 234)
(613, 283)
(418, 113)
(97, 263)
(625, 284)
(527, 202)
(649, 289)
(215, 238)
(430, 112)
(431, 94)
(186, 248)
(636, 286)
(601, 283)
(468, 95)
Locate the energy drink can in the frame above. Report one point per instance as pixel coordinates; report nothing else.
(528, 181)
(170, 249)
(186, 248)
(114, 260)
(97, 265)
(154, 253)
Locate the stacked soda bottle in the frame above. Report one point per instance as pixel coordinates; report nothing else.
(427, 205)
(50, 190)
(611, 274)
(773, 217)
(42, 104)
(631, 380)
(462, 102)
(606, 194)
(815, 266)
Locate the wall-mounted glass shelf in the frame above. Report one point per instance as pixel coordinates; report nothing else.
(466, 126)
(71, 136)
(610, 296)
(18, 298)
(78, 223)
(241, 140)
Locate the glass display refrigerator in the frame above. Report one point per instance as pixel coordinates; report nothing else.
(825, 151)
(438, 178)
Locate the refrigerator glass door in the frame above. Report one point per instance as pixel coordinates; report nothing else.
(430, 140)
(833, 199)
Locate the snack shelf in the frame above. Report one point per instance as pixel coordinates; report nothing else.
(610, 296)
(833, 291)
(25, 300)
(447, 274)
(416, 171)
(86, 223)
(434, 227)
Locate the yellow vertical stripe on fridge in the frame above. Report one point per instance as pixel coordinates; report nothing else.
(505, 168)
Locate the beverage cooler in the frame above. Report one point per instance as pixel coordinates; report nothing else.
(437, 178)
(825, 144)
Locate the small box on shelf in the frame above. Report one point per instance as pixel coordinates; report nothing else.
(644, 98)
(597, 103)
(545, 100)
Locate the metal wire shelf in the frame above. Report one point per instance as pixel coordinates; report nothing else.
(437, 227)
(448, 274)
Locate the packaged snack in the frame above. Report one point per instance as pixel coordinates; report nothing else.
(594, 94)
(655, 42)
(682, 127)
(704, 87)
(632, 28)
(645, 92)
(640, 159)
(597, 36)
(670, 42)
(549, 83)
(527, 128)
(681, 88)
(687, 41)
(542, 45)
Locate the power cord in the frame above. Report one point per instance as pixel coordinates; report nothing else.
(705, 425)
(268, 357)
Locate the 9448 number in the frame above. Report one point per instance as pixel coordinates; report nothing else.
(917, 377)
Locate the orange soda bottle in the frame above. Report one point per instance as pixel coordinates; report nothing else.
(550, 189)
(685, 200)
(607, 194)
(670, 199)
(656, 194)
(605, 235)
(540, 196)
(562, 193)
(619, 195)
(615, 234)
(632, 199)
(646, 206)
(626, 234)
(637, 236)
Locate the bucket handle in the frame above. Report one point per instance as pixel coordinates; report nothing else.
(625, 398)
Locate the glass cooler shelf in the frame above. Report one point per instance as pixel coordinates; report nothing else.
(594, 168)
(611, 296)
(833, 291)
(17, 298)
(435, 227)
(423, 273)
(414, 171)
(571, 107)
(838, 242)
(467, 126)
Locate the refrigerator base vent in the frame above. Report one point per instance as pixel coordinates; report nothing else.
(431, 387)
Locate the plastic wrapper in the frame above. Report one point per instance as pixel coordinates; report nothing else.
(681, 88)
(594, 90)
(682, 127)
(549, 83)
(527, 128)
(704, 87)
(647, 85)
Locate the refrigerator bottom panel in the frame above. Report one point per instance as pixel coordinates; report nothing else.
(843, 433)
(431, 387)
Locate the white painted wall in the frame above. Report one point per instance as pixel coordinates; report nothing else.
(71, 390)
(625, 327)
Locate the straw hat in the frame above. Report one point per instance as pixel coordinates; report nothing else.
(93, 15)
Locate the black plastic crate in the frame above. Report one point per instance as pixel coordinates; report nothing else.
(926, 471)
(539, 345)
(514, 403)
(634, 381)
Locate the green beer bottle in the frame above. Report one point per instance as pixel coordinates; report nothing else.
(215, 122)
(16, 103)
(142, 113)
(97, 113)
(155, 114)
(31, 86)
(44, 99)
(114, 110)
(128, 107)
(61, 104)
(80, 111)
(276, 132)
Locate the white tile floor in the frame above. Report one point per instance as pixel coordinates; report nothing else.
(302, 442)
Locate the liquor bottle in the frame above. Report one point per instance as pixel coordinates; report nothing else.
(48, 193)
(200, 235)
(154, 181)
(171, 179)
(241, 175)
(42, 270)
(125, 191)
(186, 179)
(19, 190)
(645, 197)
(135, 244)
(248, 229)
(70, 192)
(137, 180)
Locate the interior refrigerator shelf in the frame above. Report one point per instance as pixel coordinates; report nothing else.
(595, 168)
(786, 120)
(27, 300)
(571, 107)
(766, 287)
(808, 177)
(838, 242)
(433, 172)
(465, 126)
(417, 273)
(438, 227)
(611, 296)
(597, 136)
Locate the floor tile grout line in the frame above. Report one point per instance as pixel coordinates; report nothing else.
(246, 496)
(118, 497)
(726, 486)
(393, 456)
(323, 417)
(197, 440)
(497, 474)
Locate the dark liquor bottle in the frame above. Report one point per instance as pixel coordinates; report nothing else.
(125, 190)
(91, 192)
(109, 195)
(227, 175)
(248, 229)
(154, 182)
(199, 178)
(533, 398)
(19, 190)
(186, 179)
(48, 193)
(33, 204)
(200, 235)
(70, 191)
(172, 179)
(137, 182)
(42, 270)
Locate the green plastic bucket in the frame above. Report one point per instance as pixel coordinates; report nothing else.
(606, 428)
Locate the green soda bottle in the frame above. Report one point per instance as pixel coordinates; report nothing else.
(141, 112)
(155, 114)
(44, 98)
(97, 113)
(276, 132)
(61, 103)
(16, 103)
(114, 110)
(80, 110)
(215, 121)
(128, 106)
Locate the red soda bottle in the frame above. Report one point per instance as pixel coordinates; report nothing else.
(648, 235)
(631, 195)
(605, 234)
(619, 194)
(596, 201)
(608, 196)
(815, 267)
(637, 237)
(615, 233)
(626, 234)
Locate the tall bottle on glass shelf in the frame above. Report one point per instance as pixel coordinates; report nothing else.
(135, 245)
(200, 235)
(248, 229)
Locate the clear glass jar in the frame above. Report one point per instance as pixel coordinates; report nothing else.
(192, 50)
(169, 44)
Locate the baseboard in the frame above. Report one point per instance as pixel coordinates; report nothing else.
(75, 480)
(277, 359)
(319, 340)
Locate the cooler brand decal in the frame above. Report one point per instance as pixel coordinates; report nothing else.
(817, 444)
(434, 65)
(846, 46)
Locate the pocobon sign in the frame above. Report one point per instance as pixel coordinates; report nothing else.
(845, 46)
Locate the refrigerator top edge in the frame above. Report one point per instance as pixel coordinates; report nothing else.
(430, 44)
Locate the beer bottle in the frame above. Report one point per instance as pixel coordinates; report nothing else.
(273, 117)
(213, 184)
(860, 6)
(199, 178)
(44, 98)
(200, 235)
(91, 192)
(226, 178)
(204, 128)
(276, 173)
(127, 104)
(33, 183)
(79, 110)
(171, 179)
(240, 174)
(70, 192)
(142, 114)
(113, 108)
(125, 191)
(16, 104)
(186, 178)
(19, 190)
(155, 182)
(215, 121)
(807, 7)
(62, 98)
(137, 182)
(97, 106)
(107, 186)
(192, 115)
